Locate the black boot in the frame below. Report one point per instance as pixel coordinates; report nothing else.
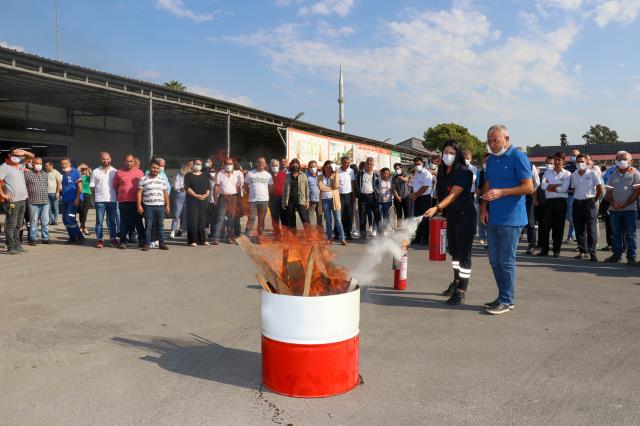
(457, 298)
(451, 289)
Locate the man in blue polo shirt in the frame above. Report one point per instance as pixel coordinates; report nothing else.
(507, 182)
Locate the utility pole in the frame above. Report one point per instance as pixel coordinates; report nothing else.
(341, 121)
(55, 2)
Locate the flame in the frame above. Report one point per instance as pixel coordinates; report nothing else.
(296, 247)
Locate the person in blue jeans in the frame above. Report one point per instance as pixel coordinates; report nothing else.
(503, 210)
(71, 197)
(153, 203)
(385, 198)
(329, 185)
(623, 189)
(55, 182)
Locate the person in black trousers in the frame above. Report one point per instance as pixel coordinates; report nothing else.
(455, 202)
(347, 198)
(421, 196)
(555, 182)
(401, 193)
(368, 190)
(198, 188)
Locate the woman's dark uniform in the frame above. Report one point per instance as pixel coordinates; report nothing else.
(462, 219)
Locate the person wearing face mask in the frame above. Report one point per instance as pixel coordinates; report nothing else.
(55, 185)
(179, 222)
(37, 183)
(421, 197)
(155, 242)
(623, 189)
(503, 210)
(540, 199)
(532, 224)
(482, 228)
(368, 192)
(229, 183)
(275, 197)
(456, 203)
(257, 183)
(85, 204)
(71, 198)
(329, 185)
(106, 199)
(555, 183)
(197, 187)
(570, 166)
(401, 190)
(14, 195)
(315, 206)
(212, 215)
(587, 186)
(296, 196)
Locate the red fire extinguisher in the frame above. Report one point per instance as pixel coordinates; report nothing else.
(438, 239)
(400, 272)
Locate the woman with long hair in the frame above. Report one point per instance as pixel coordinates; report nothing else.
(179, 222)
(455, 202)
(329, 185)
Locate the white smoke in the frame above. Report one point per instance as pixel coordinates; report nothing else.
(381, 248)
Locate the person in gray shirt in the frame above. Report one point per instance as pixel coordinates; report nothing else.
(13, 195)
(623, 189)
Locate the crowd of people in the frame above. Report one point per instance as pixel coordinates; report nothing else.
(504, 201)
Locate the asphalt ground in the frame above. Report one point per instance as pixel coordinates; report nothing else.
(111, 336)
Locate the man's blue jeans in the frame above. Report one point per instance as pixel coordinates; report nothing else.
(69, 212)
(623, 227)
(571, 234)
(154, 219)
(111, 210)
(54, 207)
(503, 242)
(38, 211)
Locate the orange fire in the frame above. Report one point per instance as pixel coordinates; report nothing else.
(290, 257)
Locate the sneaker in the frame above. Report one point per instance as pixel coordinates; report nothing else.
(457, 298)
(163, 247)
(33, 243)
(529, 251)
(632, 262)
(214, 242)
(45, 241)
(542, 254)
(172, 234)
(100, 244)
(593, 258)
(122, 246)
(580, 256)
(496, 303)
(13, 251)
(451, 289)
(612, 259)
(153, 245)
(114, 243)
(374, 233)
(146, 247)
(498, 309)
(20, 249)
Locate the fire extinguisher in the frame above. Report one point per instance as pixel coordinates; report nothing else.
(400, 272)
(438, 239)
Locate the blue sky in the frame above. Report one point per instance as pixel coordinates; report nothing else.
(542, 67)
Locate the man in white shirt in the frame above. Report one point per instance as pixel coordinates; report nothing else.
(420, 194)
(258, 182)
(468, 157)
(347, 196)
(153, 203)
(532, 225)
(229, 184)
(588, 187)
(555, 183)
(105, 196)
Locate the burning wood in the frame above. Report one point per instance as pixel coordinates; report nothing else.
(298, 265)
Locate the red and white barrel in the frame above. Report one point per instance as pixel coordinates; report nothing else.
(310, 344)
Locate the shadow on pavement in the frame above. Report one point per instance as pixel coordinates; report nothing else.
(201, 358)
(389, 297)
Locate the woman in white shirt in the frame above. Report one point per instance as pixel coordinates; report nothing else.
(329, 184)
(386, 198)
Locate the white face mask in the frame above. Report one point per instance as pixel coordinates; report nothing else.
(622, 164)
(38, 167)
(419, 168)
(549, 165)
(448, 159)
(212, 174)
(334, 167)
(582, 166)
(228, 167)
(313, 170)
(275, 169)
(467, 162)
(16, 160)
(66, 169)
(502, 151)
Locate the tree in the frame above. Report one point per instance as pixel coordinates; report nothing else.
(563, 139)
(436, 137)
(175, 85)
(531, 148)
(600, 134)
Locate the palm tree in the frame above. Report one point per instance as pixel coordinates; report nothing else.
(175, 85)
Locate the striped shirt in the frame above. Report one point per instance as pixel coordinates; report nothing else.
(37, 186)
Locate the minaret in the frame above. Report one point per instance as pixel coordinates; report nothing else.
(341, 121)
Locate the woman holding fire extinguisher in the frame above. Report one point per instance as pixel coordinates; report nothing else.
(457, 206)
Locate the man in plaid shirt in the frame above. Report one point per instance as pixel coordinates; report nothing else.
(38, 189)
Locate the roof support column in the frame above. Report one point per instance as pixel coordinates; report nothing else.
(150, 125)
(228, 135)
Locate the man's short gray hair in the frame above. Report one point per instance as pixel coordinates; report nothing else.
(274, 161)
(625, 153)
(370, 159)
(495, 127)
